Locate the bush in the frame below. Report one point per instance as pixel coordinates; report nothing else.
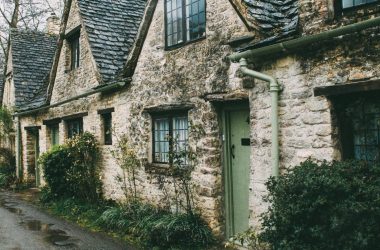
(55, 164)
(326, 206)
(71, 170)
(7, 168)
(158, 228)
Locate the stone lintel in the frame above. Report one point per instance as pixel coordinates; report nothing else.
(227, 97)
(52, 121)
(78, 115)
(106, 111)
(184, 106)
(32, 127)
(348, 88)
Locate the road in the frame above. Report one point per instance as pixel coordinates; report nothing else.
(24, 226)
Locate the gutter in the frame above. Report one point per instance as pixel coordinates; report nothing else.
(106, 88)
(299, 43)
(289, 46)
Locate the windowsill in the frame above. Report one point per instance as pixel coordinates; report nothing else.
(181, 45)
(162, 169)
(359, 7)
(71, 71)
(157, 168)
(358, 11)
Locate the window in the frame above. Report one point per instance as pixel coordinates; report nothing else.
(170, 138)
(74, 50)
(54, 134)
(360, 127)
(74, 127)
(185, 21)
(353, 3)
(107, 128)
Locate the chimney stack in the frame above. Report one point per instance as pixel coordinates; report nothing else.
(53, 24)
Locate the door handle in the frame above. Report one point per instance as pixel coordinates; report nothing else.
(233, 151)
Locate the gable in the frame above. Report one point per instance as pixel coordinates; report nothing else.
(112, 27)
(32, 56)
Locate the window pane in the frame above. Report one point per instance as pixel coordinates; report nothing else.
(75, 51)
(195, 19)
(54, 134)
(174, 22)
(161, 140)
(107, 128)
(365, 117)
(74, 127)
(352, 3)
(180, 138)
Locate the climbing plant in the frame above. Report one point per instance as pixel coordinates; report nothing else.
(6, 122)
(126, 158)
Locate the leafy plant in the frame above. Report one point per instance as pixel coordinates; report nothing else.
(324, 206)
(249, 239)
(126, 158)
(6, 122)
(72, 170)
(7, 168)
(158, 228)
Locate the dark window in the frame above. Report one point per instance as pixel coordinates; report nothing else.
(74, 50)
(170, 136)
(185, 21)
(107, 128)
(354, 3)
(360, 127)
(54, 134)
(74, 127)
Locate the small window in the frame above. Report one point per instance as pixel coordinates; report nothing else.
(354, 3)
(74, 127)
(170, 137)
(74, 50)
(185, 21)
(54, 134)
(360, 127)
(107, 128)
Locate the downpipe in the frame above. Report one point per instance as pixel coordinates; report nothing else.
(274, 89)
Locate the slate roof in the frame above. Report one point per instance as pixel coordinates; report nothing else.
(112, 27)
(32, 57)
(275, 19)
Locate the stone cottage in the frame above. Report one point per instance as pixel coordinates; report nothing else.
(29, 62)
(306, 86)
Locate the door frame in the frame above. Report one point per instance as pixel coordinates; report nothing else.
(35, 132)
(225, 110)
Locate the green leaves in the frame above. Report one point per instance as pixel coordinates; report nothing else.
(72, 170)
(324, 206)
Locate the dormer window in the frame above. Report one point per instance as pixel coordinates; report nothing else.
(355, 3)
(73, 41)
(185, 21)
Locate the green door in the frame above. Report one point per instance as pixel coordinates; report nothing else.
(237, 170)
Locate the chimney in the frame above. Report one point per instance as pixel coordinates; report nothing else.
(53, 24)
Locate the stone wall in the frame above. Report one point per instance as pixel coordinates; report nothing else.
(307, 123)
(187, 74)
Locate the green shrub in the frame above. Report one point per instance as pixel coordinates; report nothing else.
(71, 170)
(158, 228)
(55, 164)
(7, 168)
(324, 206)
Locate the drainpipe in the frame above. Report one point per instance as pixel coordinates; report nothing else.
(274, 88)
(19, 148)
